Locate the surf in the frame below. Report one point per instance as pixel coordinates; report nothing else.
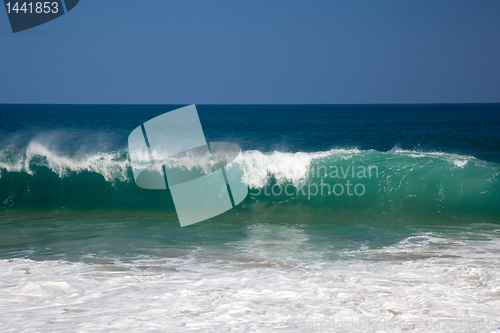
(357, 185)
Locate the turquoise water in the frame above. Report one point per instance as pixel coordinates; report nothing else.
(352, 211)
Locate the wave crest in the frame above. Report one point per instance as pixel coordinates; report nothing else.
(112, 166)
(407, 182)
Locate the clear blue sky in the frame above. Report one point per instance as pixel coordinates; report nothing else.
(257, 52)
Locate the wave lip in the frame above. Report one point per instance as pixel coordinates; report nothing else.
(112, 166)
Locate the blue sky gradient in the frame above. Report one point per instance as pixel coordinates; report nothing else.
(257, 52)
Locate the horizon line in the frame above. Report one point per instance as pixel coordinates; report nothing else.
(256, 104)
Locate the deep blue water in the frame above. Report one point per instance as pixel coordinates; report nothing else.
(467, 129)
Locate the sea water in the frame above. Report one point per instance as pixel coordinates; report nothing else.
(359, 218)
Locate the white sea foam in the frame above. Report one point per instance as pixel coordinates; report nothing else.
(258, 167)
(456, 159)
(109, 165)
(284, 167)
(428, 279)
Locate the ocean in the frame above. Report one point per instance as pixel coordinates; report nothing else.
(359, 218)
